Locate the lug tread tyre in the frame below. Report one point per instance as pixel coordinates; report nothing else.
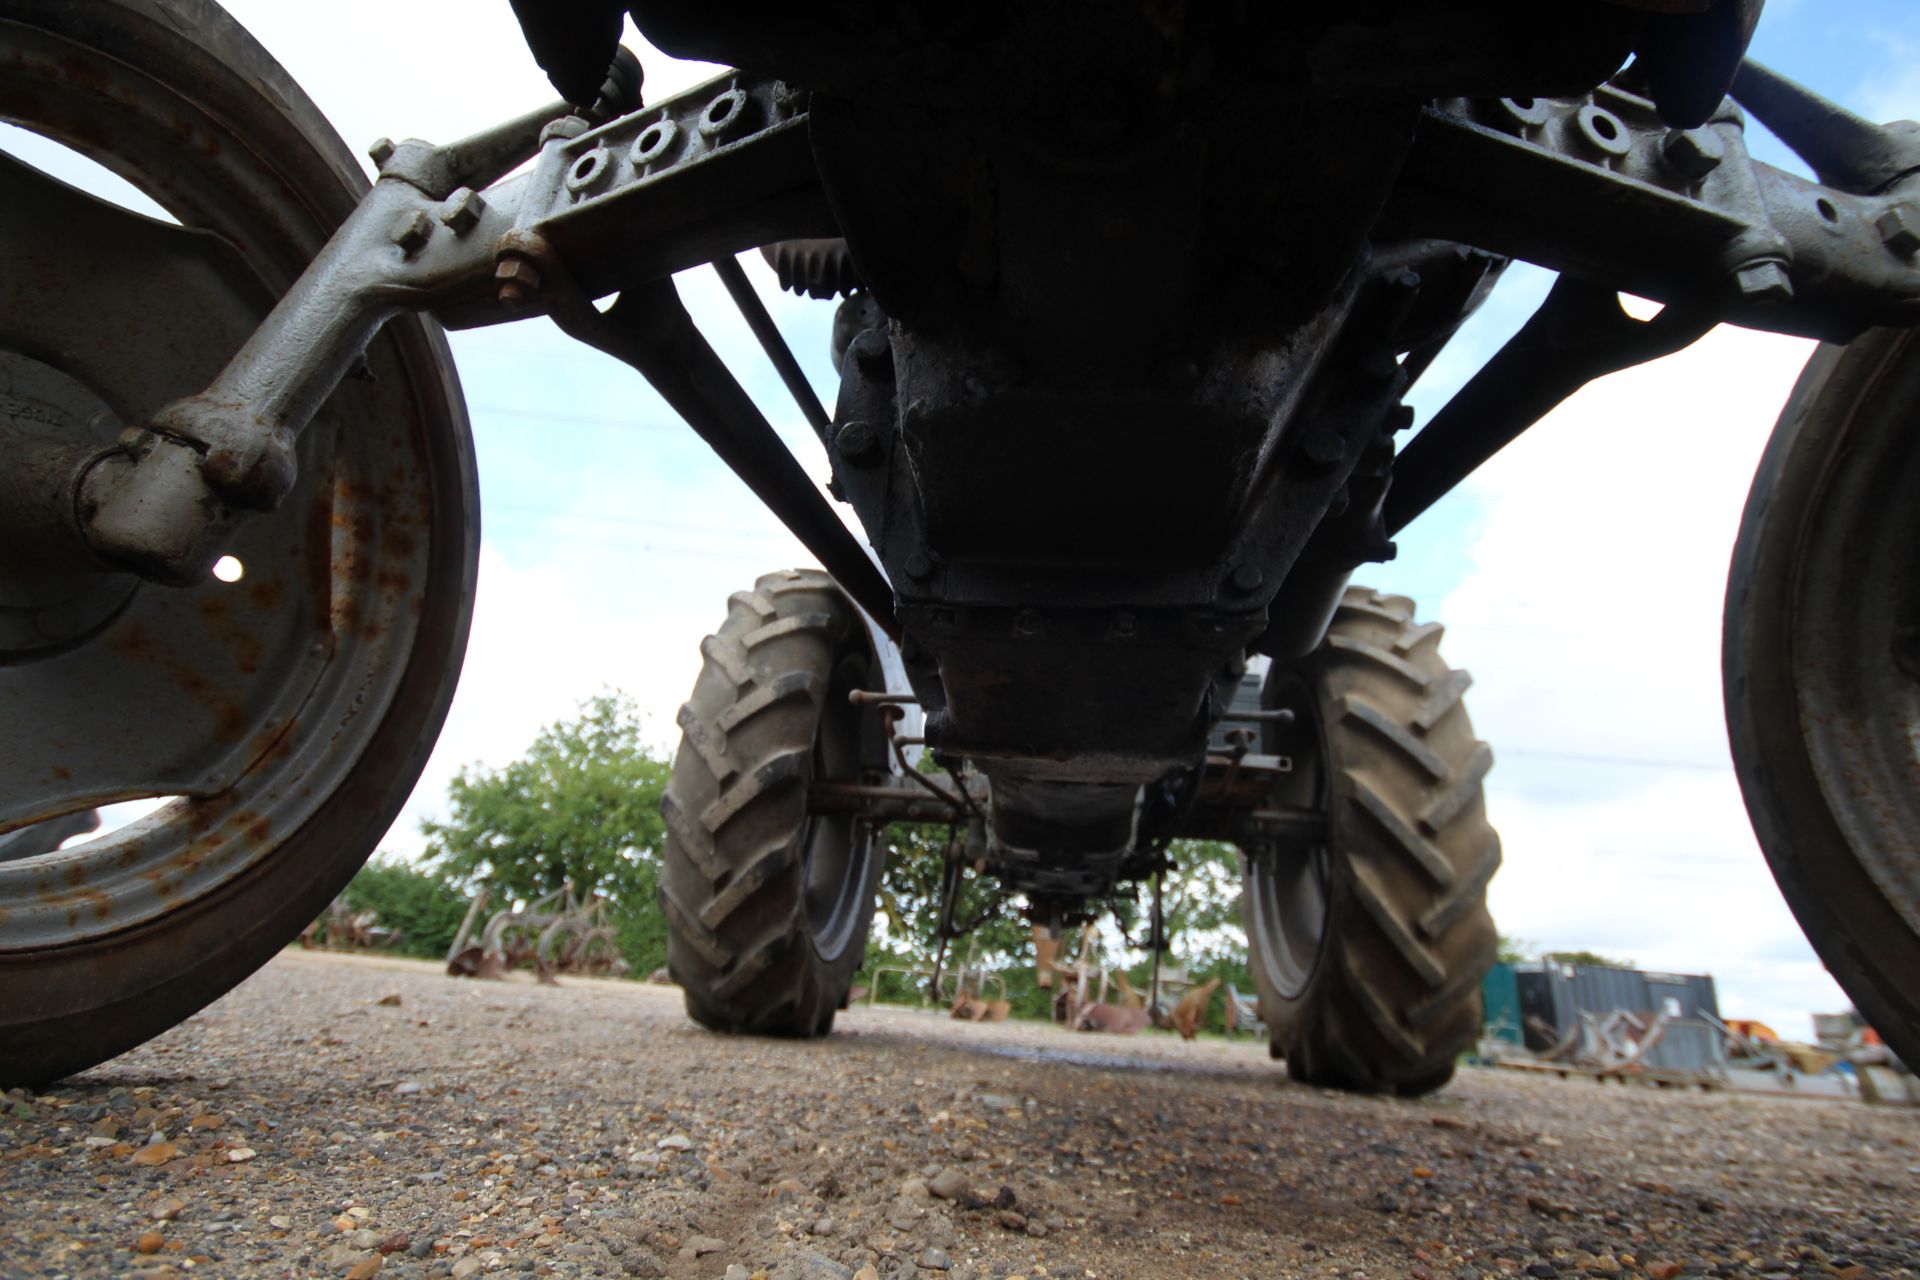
(1394, 995)
(732, 877)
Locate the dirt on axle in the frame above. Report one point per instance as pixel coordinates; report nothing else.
(340, 1116)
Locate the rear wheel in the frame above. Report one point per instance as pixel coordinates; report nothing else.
(1368, 947)
(1822, 669)
(767, 906)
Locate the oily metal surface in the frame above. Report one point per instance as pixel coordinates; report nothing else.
(248, 701)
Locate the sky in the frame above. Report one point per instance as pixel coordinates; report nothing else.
(1579, 574)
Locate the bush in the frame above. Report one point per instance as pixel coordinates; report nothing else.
(424, 908)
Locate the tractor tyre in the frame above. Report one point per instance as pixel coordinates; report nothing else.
(768, 906)
(1821, 663)
(1368, 945)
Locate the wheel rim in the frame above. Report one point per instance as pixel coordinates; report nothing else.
(253, 701)
(1289, 888)
(836, 850)
(1855, 634)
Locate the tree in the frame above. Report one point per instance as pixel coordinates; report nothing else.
(583, 805)
(1585, 957)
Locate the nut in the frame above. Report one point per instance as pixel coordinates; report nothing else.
(918, 565)
(518, 280)
(1764, 282)
(1246, 577)
(1693, 153)
(381, 151)
(1899, 229)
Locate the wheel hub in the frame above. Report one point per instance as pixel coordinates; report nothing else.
(48, 420)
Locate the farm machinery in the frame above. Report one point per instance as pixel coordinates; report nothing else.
(1129, 297)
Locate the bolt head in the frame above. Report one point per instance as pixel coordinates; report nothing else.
(919, 565)
(461, 210)
(412, 230)
(1324, 446)
(1764, 282)
(1028, 622)
(381, 151)
(1247, 577)
(1693, 153)
(872, 353)
(1899, 229)
(856, 442)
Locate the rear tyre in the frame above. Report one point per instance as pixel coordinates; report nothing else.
(1822, 670)
(768, 907)
(1368, 947)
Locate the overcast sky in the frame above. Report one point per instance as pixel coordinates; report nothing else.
(1579, 574)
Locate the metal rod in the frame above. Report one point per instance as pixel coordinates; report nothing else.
(880, 698)
(1278, 715)
(755, 313)
(648, 327)
(1578, 334)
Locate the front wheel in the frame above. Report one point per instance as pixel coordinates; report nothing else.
(768, 906)
(1368, 947)
(279, 712)
(1822, 670)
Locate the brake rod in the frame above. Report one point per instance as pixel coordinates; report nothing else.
(754, 312)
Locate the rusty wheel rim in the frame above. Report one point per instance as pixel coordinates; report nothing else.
(251, 701)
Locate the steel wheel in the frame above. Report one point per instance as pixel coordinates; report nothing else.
(1822, 669)
(287, 713)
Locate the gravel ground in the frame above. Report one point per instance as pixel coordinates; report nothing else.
(342, 1116)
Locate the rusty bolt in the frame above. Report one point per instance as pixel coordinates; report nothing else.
(134, 439)
(1246, 577)
(856, 442)
(381, 151)
(918, 565)
(412, 230)
(518, 280)
(1899, 230)
(1693, 153)
(462, 210)
(1766, 282)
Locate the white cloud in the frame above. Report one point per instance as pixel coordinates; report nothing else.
(1591, 621)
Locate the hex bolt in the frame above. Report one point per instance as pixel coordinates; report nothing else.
(1765, 282)
(856, 442)
(1246, 577)
(872, 354)
(1124, 625)
(461, 210)
(412, 231)
(1899, 229)
(381, 151)
(518, 280)
(919, 565)
(1323, 446)
(1693, 153)
(1027, 622)
(1399, 418)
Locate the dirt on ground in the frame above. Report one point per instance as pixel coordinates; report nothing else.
(343, 1116)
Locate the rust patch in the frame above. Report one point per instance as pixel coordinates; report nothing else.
(60, 773)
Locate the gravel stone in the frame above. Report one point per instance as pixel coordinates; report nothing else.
(534, 1147)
